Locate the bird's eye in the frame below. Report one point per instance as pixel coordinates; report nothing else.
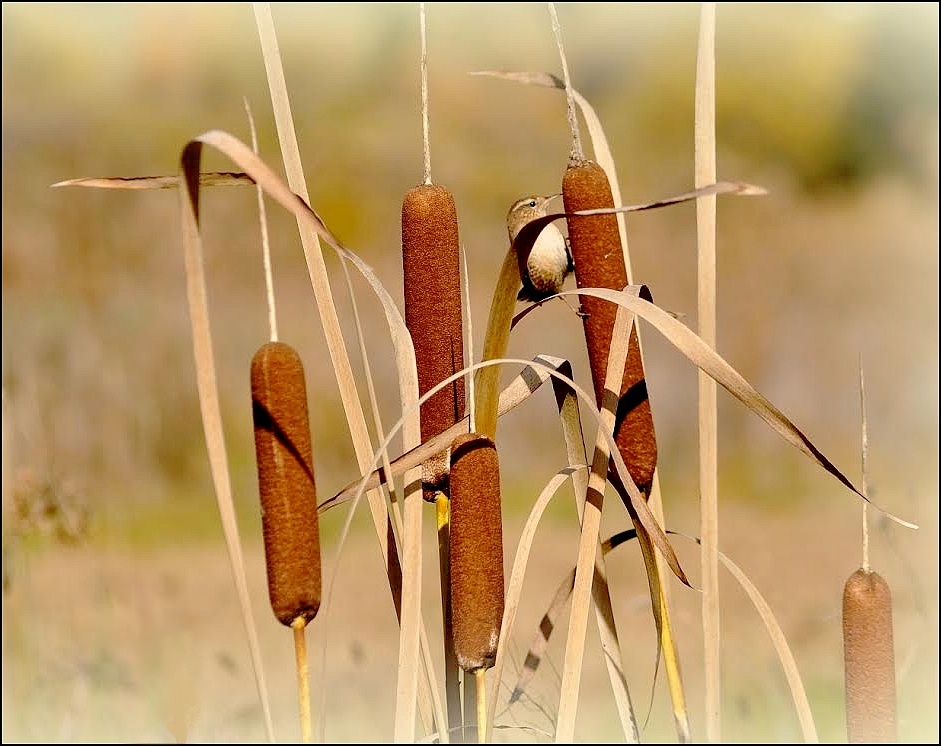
(532, 203)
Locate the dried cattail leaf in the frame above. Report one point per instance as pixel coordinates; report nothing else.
(284, 455)
(477, 592)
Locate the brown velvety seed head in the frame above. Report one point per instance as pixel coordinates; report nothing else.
(432, 278)
(284, 456)
(477, 593)
(599, 263)
(869, 659)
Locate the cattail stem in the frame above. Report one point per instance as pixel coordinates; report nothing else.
(433, 315)
(426, 144)
(480, 677)
(452, 687)
(705, 173)
(865, 465)
(577, 154)
(469, 725)
(299, 626)
(868, 647)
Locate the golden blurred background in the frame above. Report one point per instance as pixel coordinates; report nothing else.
(832, 107)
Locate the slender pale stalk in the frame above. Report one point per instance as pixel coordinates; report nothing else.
(480, 676)
(705, 158)
(865, 466)
(299, 626)
(451, 668)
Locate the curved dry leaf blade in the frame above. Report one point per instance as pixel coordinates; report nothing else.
(537, 648)
(496, 340)
(645, 517)
(535, 653)
(267, 179)
(211, 413)
(517, 575)
(547, 80)
(708, 360)
(788, 663)
(642, 511)
(429, 698)
(516, 392)
(547, 624)
(585, 569)
(261, 173)
(523, 243)
(785, 656)
(409, 532)
(206, 179)
(570, 418)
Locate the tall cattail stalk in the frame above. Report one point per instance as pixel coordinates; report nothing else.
(705, 174)
(431, 266)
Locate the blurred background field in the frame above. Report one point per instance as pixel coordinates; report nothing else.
(119, 617)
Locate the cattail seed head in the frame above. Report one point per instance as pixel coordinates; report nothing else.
(284, 456)
(599, 263)
(869, 659)
(432, 278)
(476, 553)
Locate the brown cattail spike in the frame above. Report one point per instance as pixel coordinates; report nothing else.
(432, 276)
(476, 551)
(599, 263)
(284, 457)
(869, 659)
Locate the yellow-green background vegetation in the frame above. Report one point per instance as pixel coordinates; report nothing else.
(119, 617)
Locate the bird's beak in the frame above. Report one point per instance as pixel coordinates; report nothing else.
(553, 196)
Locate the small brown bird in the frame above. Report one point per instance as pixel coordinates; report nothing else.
(550, 260)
